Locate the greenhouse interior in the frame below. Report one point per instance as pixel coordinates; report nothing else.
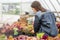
(20, 20)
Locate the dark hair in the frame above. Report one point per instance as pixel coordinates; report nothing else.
(18, 20)
(26, 13)
(37, 6)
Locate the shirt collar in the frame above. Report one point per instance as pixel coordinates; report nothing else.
(37, 13)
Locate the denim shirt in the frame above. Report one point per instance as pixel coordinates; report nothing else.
(48, 19)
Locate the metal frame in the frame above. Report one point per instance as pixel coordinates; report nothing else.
(54, 8)
(44, 5)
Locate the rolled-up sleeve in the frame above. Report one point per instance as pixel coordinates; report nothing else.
(46, 21)
(49, 24)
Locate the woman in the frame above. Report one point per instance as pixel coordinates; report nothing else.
(44, 20)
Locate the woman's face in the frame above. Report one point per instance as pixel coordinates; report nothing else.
(34, 10)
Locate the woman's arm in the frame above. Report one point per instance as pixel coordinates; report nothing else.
(36, 24)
